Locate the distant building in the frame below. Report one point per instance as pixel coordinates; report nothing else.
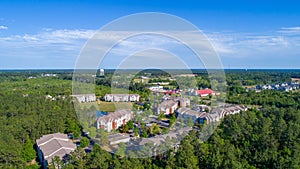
(281, 87)
(49, 75)
(196, 116)
(184, 102)
(157, 89)
(206, 92)
(102, 72)
(186, 114)
(52, 145)
(122, 97)
(114, 120)
(171, 92)
(201, 108)
(83, 98)
(48, 96)
(167, 107)
(229, 110)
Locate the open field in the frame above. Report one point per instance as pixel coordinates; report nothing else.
(250, 86)
(112, 106)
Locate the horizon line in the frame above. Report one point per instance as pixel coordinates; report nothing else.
(28, 69)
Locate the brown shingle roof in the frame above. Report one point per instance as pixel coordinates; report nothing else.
(168, 104)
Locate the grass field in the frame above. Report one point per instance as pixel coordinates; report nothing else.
(111, 106)
(250, 86)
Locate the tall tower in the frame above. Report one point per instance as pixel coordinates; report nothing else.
(101, 72)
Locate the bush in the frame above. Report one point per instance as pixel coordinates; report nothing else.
(84, 142)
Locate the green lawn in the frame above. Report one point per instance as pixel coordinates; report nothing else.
(112, 106)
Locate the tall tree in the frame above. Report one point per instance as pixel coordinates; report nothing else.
(28, 152)
(185, 156)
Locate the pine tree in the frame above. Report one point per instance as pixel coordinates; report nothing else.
(28, 152)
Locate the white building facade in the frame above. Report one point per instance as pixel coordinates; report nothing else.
(114, 120)
(83, 98)
(167, 107)
(122, 97)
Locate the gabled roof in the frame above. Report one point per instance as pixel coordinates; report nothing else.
(205, 92)
(190, 112)
(114, 115)
(55, 145)
(158, 139)
(168, 104)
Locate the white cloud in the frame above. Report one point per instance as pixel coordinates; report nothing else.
(290, 30)
(48, 35)
(253, 41)
(46, 49)
(68, 39)
(3, 27)
(231, 46)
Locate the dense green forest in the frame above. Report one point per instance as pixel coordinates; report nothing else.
(263, 137)
(26, 114)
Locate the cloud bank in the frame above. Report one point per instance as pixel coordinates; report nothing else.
(51, 48)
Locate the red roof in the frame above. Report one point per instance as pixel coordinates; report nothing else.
(171, 92)
(205, 92)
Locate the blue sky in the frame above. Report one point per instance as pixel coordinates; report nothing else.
(50, 34)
